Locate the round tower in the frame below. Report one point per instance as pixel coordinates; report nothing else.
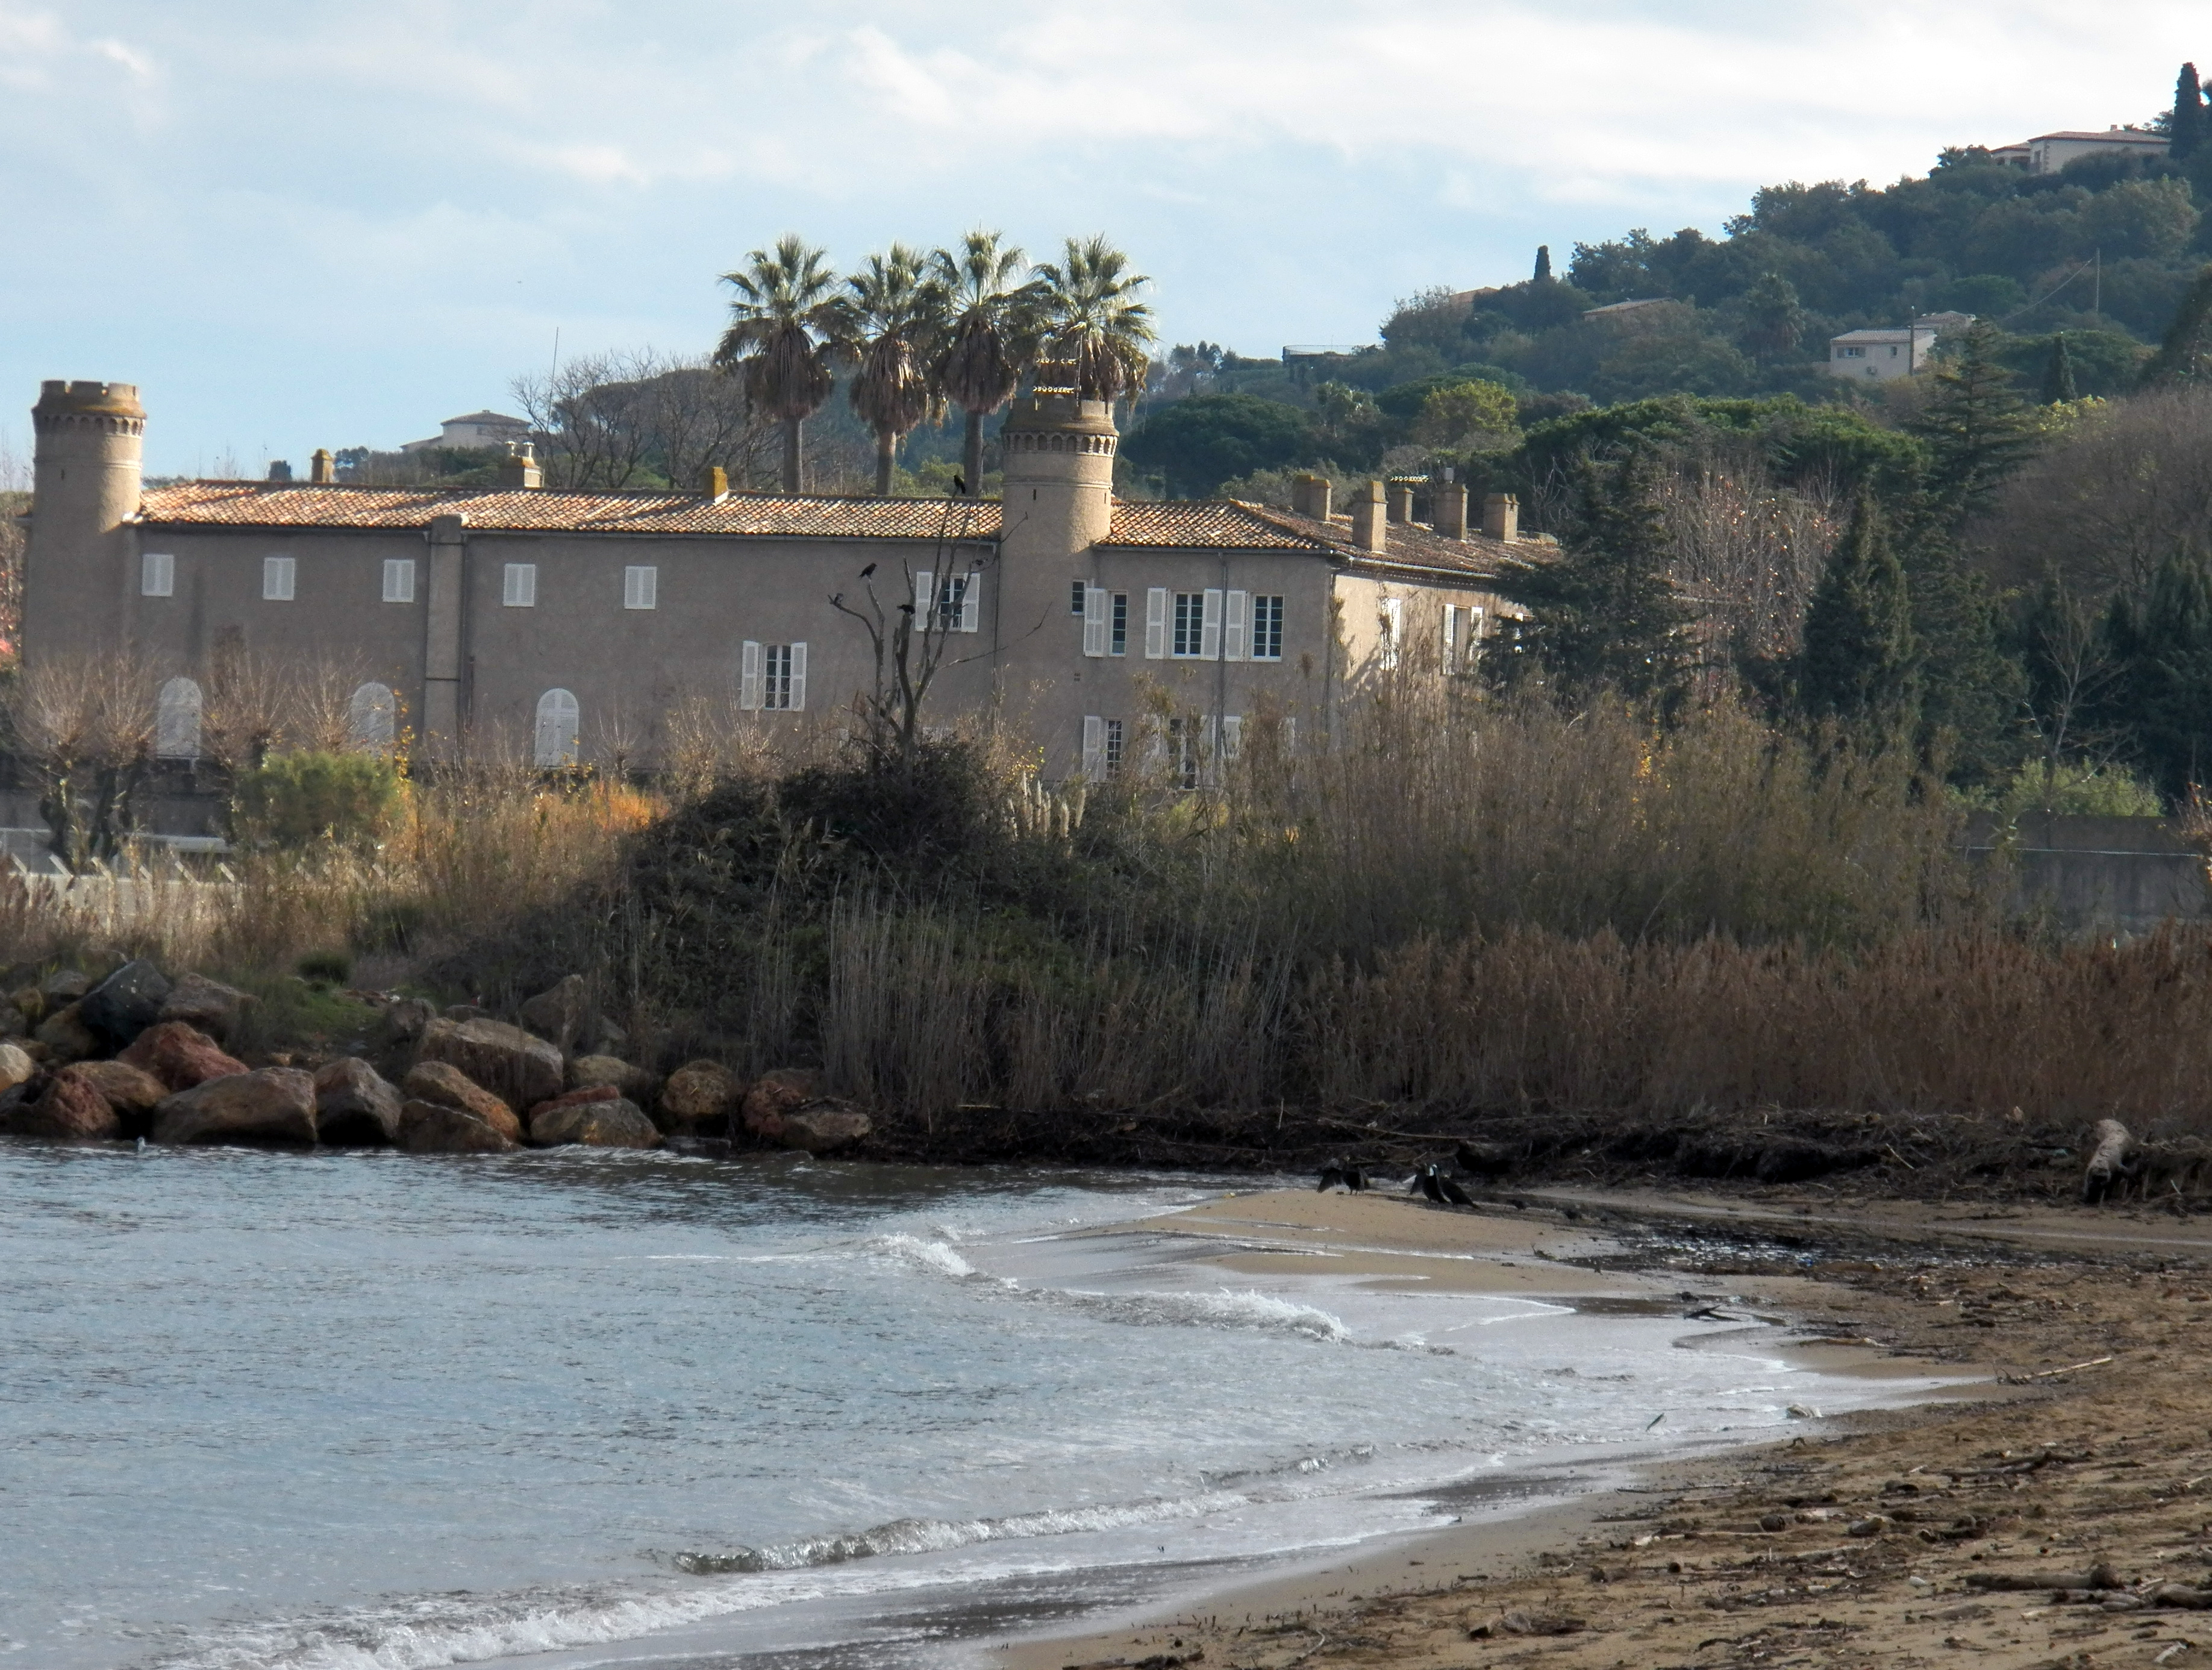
(1057, 452)
(85, 485)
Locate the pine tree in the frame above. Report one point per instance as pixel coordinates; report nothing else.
(1605, 616)
(1859, 663)
(1970, 688)
(1976, 427)
(2058, 375)
(2164, 649)
(1543, 264)
(2185, 355)
(2185, 128)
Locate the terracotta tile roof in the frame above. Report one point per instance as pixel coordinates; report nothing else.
(1234, 524)
(1211, 525)
(278, 505)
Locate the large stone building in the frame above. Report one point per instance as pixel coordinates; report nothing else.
(569, 624)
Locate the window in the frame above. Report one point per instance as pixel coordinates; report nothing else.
(1394, 632)
(1851, 353)
(1113, 746)
(518, 589)
(177, 719)
(1078, 594)
(157, 574)
(640, 588)
(400, 580)
(1156, 623)
(958, 598)
(1232, 736)
(278, 574)
(373, 716)
(772, 678)
(557, 723)
(1198, 625)
(1118, 638)
(1267, 629)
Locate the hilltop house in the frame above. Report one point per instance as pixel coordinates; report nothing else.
(2048, 152)
(478, 429)
(570, 624)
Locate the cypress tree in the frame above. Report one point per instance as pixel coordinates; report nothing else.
(1543, 264)
(2058, 375)
(2185, 354)
(1858, 662)
(2164, 647)
(2185, 129)
(1977, 428)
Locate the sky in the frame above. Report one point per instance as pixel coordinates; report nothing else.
(297, 223)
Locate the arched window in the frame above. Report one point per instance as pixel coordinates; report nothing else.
(556, 729)
(177, 721)
(373, 716)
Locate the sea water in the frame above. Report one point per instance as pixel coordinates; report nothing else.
(371, 1411)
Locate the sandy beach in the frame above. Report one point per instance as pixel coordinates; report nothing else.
(2072, 1441)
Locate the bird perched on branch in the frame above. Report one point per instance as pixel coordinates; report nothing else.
(1431, 1182)
(865, 572)
(1338, 1175)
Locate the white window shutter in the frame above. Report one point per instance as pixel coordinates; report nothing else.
(971, 603)
(1209, 627)
(1094, 745)
(925, 601)
(798, 678)
(1094, 620)
(1289, 733)
(1238, 620)
(1232, 736)
(749, 677)
(1208, 753)
(1394, 629)
(640, 588)
(1156, 623)
(1451, 637)
(157, 574)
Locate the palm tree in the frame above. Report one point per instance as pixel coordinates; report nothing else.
(1094, 324)
(990, 335)
(785, 325)
(896, 312)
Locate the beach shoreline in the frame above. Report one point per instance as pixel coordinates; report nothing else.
(2014, 1307)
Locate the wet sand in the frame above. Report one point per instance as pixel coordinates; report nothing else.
(1851, 1543)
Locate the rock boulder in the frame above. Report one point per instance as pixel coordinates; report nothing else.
(66, 1035)
(273, 1105)
(69, 1106)
(773, 1098)
(355, 1105)
(604, 1122)
(824, 1128)
(64, 986)
(132, 1093)
(633, 1084)
(559, 1012)
(180, 1056)
(430, 1127)
(698, 1095)
(15, 1066)
(522, 1069)
(123, 1005)
(449, 1087)
(207, 1005)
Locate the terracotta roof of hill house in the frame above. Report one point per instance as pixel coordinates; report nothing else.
(1205, 525)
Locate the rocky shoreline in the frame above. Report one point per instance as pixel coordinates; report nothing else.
(133, 1055)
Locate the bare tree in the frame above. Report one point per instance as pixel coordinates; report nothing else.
(1746, 553)
(910, 641)
(605, 423)
(86, 725)
(2129, 487)
(244, 708)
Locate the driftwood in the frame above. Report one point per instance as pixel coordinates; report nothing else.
(2112, 1164)
(2099, 1577)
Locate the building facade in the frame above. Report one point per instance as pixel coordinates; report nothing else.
(567, 627)
(1879, 355)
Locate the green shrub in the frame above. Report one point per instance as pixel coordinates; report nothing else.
(2076, 789)
(329, 967)
(297, 799)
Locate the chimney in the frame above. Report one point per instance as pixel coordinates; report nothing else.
(1368, 523)
(1448, 506)
(1309, 496)
(714, 483)
(1402, 500)
(1501, 517)
(322, 469)
(519, 467)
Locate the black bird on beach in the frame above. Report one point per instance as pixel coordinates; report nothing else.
(1431, 1182)
(1338, 1175)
